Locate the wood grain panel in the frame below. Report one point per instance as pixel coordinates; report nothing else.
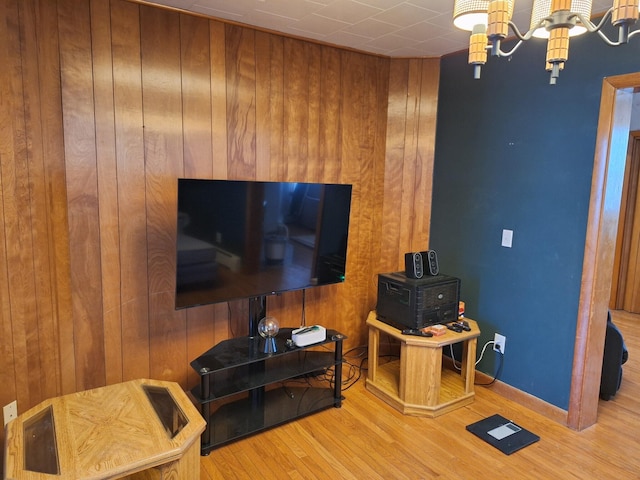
(129, 125)
(277, 167)
(326, 160)
(40, 17)
(12, 354)
(394, 165)
(107, 189)
(312, 170)
(218, 56)
(149, 95)
(296, 108)
(17, 246)
(411, 172)
(430, 73)
(241, 101)
(263, 105)
(195, 76)
(49, 82)
(163, 147)
(220, 160)
(358, 162)
(82, 191)
(198, 157)
(330, 125)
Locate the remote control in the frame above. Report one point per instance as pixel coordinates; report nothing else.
(415, 331)
(463, 324)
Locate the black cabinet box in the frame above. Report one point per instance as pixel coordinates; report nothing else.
(415, 303)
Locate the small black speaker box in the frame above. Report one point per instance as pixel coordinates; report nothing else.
(413, 265)
(430, 262)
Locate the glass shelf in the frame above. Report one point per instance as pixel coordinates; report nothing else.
(223, 383)
(235, 352)
(240, 419)
(238, 367)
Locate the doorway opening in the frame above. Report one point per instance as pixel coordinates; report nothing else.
(600, 245)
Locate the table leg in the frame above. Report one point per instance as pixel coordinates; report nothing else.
(374, 344)
(469, 364)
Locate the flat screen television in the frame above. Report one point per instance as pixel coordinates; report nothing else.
(241, 239)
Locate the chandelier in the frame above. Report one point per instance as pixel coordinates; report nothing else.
(556, 20)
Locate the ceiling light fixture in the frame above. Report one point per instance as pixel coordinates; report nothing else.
(556, 20)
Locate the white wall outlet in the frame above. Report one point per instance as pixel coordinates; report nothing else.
(10, 411)
(499, 342)
(507, 238)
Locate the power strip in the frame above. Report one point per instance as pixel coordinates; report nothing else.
(309, 335)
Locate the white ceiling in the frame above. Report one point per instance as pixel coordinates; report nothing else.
(394, 28)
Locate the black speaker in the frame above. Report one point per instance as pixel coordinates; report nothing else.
(413, 265)
(430, 262)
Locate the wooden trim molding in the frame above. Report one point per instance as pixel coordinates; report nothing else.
(523, 398)
(602, 227)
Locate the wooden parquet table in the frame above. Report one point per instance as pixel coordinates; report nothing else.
(416, 384)
(142, 429)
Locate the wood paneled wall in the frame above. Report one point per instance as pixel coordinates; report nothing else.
(105, 103)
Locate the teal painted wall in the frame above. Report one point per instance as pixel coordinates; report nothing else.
(513, 152)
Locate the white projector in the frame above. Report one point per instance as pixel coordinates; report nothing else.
(309, 335)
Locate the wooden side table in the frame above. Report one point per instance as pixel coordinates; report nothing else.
(416, 384)
(140, 429)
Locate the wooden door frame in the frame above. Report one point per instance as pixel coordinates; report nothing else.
(602, 227)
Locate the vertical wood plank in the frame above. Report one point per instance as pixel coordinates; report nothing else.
(107, 189)
(276, 108)
(411, 172)
(330, 122)
(43, 126)
(395, 154)
(129, 125)
(429, 86)
(241, 102)
(219, 134)
(82, 191)
(53, 152)
(296, 101)
(163, 146)
(263, 105)
(12, 354)
(197, 107)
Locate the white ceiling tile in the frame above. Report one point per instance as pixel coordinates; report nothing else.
(382, 4)
(403, 15)
(371, 28)
(388, 27)
(346, 38)
(319, 25)
(286, 8)
(348, 11)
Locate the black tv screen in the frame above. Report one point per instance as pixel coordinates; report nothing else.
(242, 239)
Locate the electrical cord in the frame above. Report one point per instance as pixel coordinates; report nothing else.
(459, 368)
(484, 348)
(498, 372)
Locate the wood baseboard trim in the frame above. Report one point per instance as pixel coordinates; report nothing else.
(525, 399)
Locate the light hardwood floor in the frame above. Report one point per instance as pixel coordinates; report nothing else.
(366, 439)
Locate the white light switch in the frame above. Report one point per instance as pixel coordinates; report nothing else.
(507, 238)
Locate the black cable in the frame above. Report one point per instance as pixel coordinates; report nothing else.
(497, 375)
